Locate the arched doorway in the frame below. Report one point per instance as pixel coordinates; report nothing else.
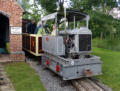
(4, 34)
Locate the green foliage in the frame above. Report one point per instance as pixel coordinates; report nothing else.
(100, 22)
(35, 12)
(90, 4)
(84, 4)
(32, 11)
(23, 77)
(48, 5)
(24, 3)
(111, 44)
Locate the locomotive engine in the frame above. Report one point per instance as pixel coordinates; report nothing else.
(77, 42)
(68, 53)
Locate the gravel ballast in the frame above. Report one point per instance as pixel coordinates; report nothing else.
(51, 81)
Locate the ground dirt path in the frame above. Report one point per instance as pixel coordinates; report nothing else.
(5, 83)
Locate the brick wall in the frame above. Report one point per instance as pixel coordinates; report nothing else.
(12, 10)
(15, 43)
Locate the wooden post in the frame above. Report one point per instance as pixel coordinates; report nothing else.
(65, 20)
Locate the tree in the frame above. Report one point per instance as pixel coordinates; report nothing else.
(93, 4)
(84, 4)
(32, 11)
(24, 4)
(100, 22)
(49, 6)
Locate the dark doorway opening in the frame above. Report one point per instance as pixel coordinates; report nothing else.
(4, 34)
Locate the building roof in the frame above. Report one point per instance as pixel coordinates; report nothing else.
(19, 5)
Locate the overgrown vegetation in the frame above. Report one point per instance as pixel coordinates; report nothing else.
(23, 77)
(104, 26)
(111, 44)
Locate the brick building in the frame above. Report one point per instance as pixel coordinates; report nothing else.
(11, 28)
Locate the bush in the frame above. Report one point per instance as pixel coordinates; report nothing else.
(111, 44)
(101, 23)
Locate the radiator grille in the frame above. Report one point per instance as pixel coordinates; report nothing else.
(84, 42)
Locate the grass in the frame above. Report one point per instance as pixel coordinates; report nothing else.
(111, 67)
(23, 77)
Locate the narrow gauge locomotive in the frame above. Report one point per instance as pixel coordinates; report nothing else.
(67, 52)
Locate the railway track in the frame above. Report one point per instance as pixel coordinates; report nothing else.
(85, 84)
(89, 84)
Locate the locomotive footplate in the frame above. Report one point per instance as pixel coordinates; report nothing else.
(70, 69)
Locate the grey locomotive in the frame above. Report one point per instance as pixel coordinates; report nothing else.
(68, 52)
